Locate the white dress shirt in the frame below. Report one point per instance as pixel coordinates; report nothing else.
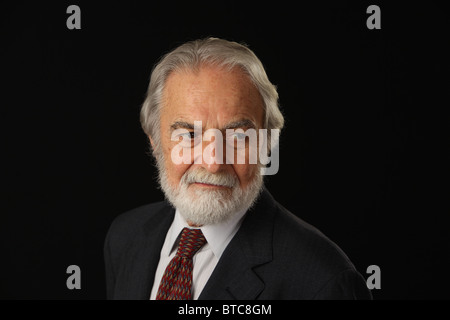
(218, 236)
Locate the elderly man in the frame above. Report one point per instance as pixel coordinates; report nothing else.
(219, 234)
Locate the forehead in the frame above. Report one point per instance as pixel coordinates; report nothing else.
(211, 94)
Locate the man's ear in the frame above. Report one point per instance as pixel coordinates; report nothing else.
(152, 142)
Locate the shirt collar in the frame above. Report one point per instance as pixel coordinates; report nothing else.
(217, 235)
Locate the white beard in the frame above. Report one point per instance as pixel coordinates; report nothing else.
(200, 206)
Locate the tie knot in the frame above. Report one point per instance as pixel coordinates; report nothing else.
(190, 242)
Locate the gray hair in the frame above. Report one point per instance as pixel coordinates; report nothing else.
(192, 55)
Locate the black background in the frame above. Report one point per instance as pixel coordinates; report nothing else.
(364, 155)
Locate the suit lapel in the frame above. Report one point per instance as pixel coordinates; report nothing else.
(141, 272)
(235, 276)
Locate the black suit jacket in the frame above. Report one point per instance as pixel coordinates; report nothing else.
(274, 255)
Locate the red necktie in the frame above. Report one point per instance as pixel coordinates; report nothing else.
(176, 283)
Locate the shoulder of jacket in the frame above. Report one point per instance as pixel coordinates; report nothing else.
(307, 241)
(131, 222)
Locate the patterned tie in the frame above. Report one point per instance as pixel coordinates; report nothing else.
(176, 283)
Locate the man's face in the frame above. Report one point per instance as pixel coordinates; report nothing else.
(218, 99)
(221, 100)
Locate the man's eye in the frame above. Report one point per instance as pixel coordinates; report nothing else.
(188, 135)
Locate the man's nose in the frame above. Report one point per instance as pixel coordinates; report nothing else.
(213, 155)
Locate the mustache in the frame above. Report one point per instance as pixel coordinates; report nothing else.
(200, 175)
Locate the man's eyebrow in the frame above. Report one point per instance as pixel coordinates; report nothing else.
(181, 124)
(244, 123)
